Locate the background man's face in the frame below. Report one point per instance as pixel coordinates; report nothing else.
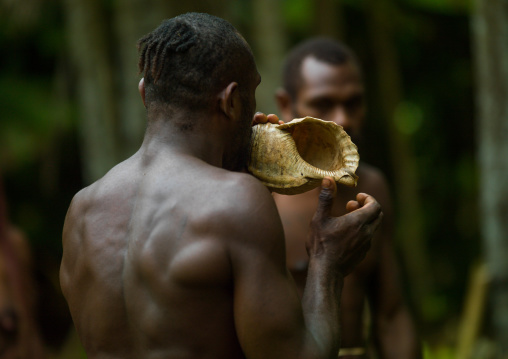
(332, 93)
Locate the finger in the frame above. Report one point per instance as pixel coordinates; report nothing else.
(259, 117)
(367, 200)
(369, 210)
(273, 118)
(364, 198)
(352, 206)
(326, 196)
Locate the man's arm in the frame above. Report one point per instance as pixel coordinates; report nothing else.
(395, 335)
(271, 321)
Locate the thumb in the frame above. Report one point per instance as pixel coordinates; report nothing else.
(328, 190)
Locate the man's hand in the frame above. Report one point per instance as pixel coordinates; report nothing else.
(260, 118)
(343, 241)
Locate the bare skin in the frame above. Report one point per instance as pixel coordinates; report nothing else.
(19, 335)
(335, 93)
(171, 255)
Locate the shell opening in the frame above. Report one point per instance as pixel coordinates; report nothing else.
(317, 145)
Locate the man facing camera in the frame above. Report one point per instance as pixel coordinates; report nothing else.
(323, 79)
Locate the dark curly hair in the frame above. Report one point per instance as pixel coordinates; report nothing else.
(189, 58)
(323, 49)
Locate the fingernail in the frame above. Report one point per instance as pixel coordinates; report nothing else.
(327, 183)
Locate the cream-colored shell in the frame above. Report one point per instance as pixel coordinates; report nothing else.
(294, 157)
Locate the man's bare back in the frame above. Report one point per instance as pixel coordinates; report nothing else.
(176, 270)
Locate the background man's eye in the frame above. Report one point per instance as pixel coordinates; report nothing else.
(354, 103)
(323, 104)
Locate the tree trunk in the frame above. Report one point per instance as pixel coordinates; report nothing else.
(269, 46)
(111, 115)
(410, 227)
(490, 40)
(97, 117)
(129, 28)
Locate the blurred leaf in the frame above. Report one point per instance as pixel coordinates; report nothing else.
(434, 307)
(30, 118)
(408, 117)
(298, 15)
(440, 352)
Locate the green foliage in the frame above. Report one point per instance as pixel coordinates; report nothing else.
(435, 307)
(408, 117)
(299, 15)
(440, 352)
(31, 118)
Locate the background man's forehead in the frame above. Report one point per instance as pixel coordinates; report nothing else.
(318, 73)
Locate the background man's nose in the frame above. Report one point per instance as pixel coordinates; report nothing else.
(341, 117)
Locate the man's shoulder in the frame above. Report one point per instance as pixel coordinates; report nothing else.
(239, 203)
(373, 181)
(371, 172)
(371, 178)
(113, 182)
(84, 197)
(81, 199)
(241, 191)
(78, 209)
(250, 218)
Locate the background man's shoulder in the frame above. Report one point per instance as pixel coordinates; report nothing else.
(374, 182)
(371, 179)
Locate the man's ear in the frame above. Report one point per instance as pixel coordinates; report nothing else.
(229, 100)
(141, 88)
(285, 104)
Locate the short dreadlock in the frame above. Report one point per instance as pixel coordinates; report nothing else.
(189, 58)
(323, 49)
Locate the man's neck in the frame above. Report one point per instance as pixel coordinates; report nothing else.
(200, 140)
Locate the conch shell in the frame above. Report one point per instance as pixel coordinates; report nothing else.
(294, 157)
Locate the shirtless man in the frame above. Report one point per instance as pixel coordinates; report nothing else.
(175, 253)
(322, 79)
